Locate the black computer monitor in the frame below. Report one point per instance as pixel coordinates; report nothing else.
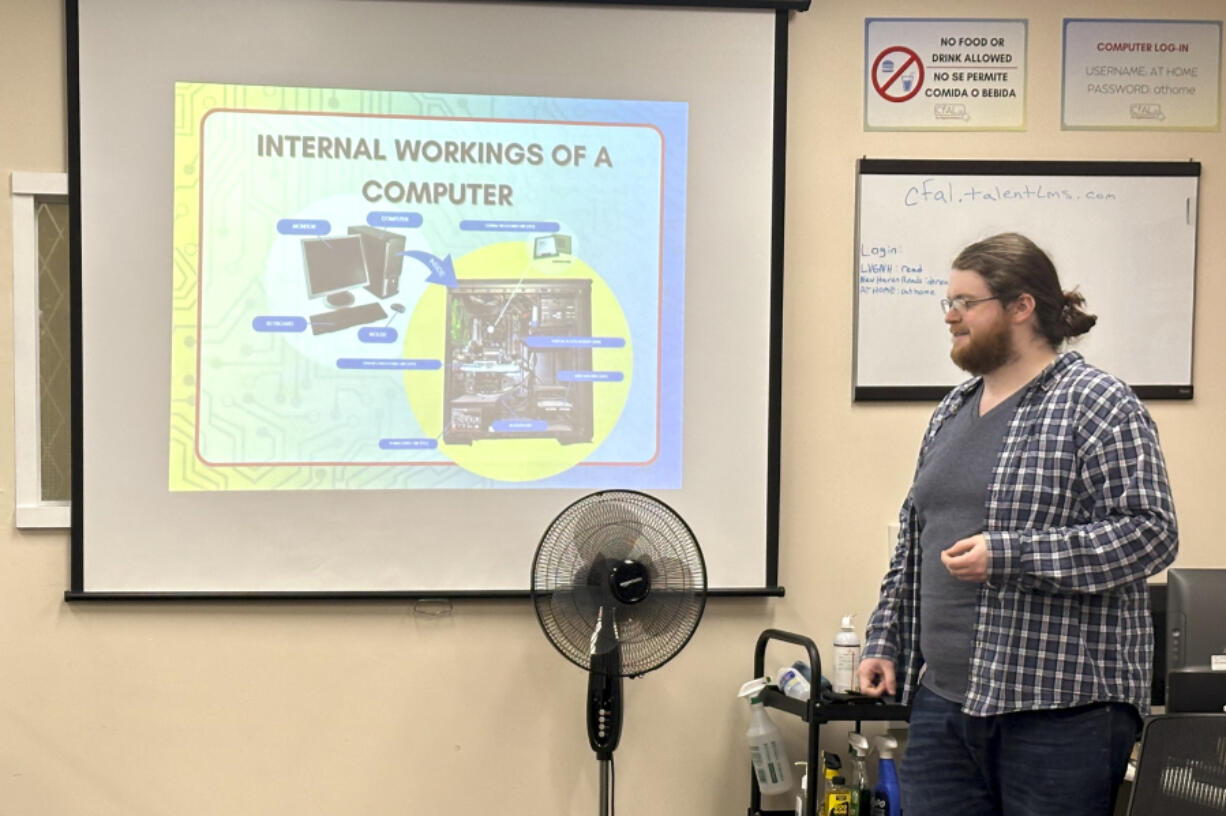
(1157, 616)
(1195, 634)
(334, 266)
(1195, 616)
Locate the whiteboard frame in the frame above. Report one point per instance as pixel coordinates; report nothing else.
(1019, 168)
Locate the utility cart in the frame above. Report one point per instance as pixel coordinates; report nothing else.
(815, 712)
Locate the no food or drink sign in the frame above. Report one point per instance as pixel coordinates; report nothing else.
(943, 74)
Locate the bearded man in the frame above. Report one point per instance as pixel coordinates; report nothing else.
(1014, 617)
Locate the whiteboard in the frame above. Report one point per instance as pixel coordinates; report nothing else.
(1122, 233)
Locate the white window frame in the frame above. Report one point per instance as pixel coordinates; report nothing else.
(32, 511)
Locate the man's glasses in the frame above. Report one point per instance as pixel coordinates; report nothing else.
(963, 304)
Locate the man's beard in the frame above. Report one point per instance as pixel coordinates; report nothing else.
(985, 351)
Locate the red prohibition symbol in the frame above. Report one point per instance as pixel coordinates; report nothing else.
(905, 89)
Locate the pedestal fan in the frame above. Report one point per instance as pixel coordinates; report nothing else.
(619, 585)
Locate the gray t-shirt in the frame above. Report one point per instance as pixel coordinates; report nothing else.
(949, 494)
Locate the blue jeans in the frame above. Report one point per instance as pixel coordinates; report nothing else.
(1066, 761)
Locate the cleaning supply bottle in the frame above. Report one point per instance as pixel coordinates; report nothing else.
(831, 766)
(886, 800)
(838, 798)
(770, 759)
(792, 683)
(846, 658)
(861, 793)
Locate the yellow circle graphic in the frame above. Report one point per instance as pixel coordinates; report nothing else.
(504, 408)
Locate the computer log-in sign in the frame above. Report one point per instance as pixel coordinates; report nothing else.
(1142, 75)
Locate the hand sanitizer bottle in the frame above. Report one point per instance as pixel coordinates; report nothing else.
(846, 658)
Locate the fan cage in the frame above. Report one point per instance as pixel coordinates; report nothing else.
(615, 525)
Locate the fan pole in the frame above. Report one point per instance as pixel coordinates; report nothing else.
(606, 787)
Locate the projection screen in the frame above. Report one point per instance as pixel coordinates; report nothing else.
(367, 292)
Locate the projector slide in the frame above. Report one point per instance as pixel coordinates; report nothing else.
(395, 290)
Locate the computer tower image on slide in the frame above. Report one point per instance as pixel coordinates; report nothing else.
(382, 251)
(499, 383)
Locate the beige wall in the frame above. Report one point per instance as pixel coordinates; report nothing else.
(375, 708)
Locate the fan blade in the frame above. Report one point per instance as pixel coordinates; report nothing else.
(611, 540)
(667, 610)
(580, 603)
(568, 617)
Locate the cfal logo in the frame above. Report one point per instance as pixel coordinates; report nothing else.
(1147, 110)
(950, 110)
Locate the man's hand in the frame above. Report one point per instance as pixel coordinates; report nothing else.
(967, 560)
(876, 676)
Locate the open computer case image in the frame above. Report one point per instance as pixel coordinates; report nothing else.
(498, 385)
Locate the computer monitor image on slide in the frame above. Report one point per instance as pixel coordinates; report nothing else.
(333, 267)
(551, 246)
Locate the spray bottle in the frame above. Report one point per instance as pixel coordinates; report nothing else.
(846, 658)
(861, 793)
(886, 798)
(770, 759)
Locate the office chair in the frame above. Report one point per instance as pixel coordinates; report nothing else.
(1182, 767)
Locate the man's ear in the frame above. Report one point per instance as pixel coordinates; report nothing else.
(1022, 307)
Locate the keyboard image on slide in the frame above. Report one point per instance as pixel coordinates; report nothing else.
(338, 319)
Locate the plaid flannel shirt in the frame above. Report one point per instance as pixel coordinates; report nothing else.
(1078, 515)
